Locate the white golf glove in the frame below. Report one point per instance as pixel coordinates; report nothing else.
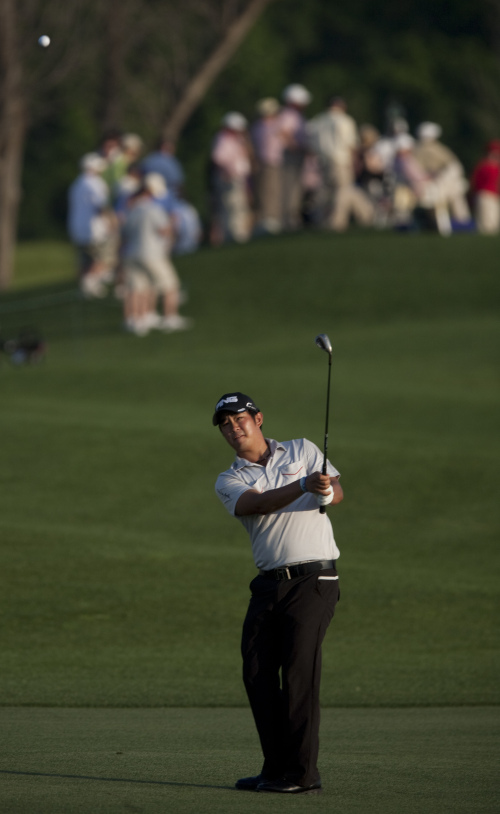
(324, 500)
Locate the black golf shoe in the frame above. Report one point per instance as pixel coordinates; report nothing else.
(249, 783)
(286, 787)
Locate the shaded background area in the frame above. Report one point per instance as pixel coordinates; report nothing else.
(436, 60)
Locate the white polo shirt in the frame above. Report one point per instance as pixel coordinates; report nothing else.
(295, 533)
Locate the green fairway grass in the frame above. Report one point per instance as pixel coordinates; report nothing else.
(123, 580)
(43, 262)
(437, 761)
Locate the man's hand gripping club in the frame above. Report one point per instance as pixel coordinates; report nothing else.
(321, 486)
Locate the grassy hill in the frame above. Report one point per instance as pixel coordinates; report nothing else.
(123, 581)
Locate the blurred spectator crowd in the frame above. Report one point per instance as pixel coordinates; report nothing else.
(126, 217)
(280, 173)
(284, 171)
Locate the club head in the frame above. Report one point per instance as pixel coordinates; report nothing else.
(324, 343)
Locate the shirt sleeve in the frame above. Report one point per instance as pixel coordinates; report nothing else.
(314, 459)
(99, 194)
(229, 489)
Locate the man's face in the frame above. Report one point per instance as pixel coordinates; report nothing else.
(242, 431)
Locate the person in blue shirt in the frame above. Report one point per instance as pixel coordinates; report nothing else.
(164, 162)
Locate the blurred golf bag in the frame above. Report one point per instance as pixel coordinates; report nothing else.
(27, 349)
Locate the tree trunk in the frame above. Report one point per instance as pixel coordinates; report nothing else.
(10, 192)
(199, 85)
(12, 137)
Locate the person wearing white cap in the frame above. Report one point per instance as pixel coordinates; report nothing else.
(148, 270)
(90, 224)
(232, 166)
(293, 132)
(449, 186)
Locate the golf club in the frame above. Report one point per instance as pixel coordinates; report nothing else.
(324, 343)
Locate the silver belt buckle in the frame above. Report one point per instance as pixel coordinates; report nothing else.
(283, 573)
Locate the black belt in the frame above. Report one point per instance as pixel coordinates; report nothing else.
(300, 569)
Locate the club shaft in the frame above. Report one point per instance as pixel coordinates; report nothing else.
(322, 509)
(325, 457)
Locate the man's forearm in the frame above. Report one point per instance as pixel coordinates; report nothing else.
(253, 502)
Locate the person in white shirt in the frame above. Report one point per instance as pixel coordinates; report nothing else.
(333, 137)
(275, 490)
(149, 272)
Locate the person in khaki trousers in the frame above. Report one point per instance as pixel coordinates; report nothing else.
(293, 133)
(268, 146)
(333, 137)
(231, 158)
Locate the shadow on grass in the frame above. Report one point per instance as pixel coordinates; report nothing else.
(116, 779)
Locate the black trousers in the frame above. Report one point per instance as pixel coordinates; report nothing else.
(283, 632)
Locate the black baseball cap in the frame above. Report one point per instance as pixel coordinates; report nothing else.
(233, 403)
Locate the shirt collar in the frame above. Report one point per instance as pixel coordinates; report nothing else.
(240, 463)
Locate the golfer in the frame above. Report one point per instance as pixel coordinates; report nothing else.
(275, 490)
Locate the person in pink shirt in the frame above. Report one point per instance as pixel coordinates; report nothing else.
(268, 146)
(293, 132)
(231, 159)
(485, 187)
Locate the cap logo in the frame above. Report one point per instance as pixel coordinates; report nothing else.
(233, 403)
(228, 400)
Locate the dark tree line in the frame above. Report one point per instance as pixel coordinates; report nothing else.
(157, 65)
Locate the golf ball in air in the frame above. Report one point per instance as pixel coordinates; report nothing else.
(44, 41)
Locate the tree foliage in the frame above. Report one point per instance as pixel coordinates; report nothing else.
(435, 59)
(26, 83)
(140, 61)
